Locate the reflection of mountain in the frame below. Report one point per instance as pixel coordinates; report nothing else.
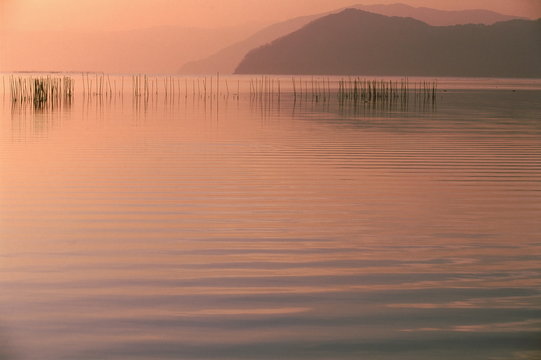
(152, 50)
(226, 60)
(359, 42)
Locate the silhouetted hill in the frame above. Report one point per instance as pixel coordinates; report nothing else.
(226, 60)
(359, 42)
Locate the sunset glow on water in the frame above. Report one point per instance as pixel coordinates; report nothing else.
(263, 228)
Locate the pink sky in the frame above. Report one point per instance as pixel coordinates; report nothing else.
(77, 35)
(91, 15)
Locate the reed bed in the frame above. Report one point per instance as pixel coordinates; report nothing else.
(356, 90)
(363, 90)
(41, 91)
(344, 91)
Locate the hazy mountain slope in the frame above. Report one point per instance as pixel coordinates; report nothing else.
(438, 17)
(358, 42)
(227, 59)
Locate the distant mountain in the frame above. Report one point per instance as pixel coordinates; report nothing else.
(226, 60)
(359, 42)
(438, 17)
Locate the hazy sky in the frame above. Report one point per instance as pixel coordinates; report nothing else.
(129, 14)
(82, 37)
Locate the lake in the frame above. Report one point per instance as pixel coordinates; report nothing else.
(238, 226)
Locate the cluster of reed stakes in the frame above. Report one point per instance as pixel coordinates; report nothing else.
(41, 90)
(345, 90)
(145, 86)
(314, 89)
(363, 90)
(264, 88)
(207, 87)
(98, 85)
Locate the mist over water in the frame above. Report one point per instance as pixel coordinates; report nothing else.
(259, 227)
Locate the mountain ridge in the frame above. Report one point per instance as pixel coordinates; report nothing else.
(227, 59)
(355, 42)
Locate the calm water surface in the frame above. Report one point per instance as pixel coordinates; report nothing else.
(179, 228)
